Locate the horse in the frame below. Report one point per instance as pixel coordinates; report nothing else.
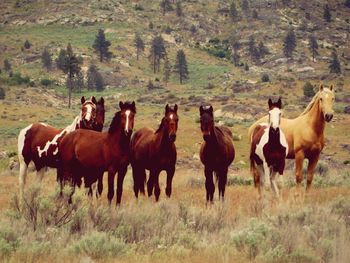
(216, 153)
(305, 134)
(155, 151)
(269, 149)
(38, 142)
(95, 152)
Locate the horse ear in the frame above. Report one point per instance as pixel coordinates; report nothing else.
(133, 106)
(167, 108)
(175, 108)
(82, 100)
(211, 109)
(270, 103)
(279, 103)
(321, 87)
(93, 99)
(331, 87)
(201, 110)
(101, 101)
(121, 105)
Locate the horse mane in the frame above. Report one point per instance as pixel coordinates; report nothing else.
(160, 126)
(311, 104)
(114, 124)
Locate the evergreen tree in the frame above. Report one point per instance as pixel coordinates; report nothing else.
(157, 53)
(262, 49)
(327, 13)
(167, 70)
(27, 44)
(179, 11)
(165, 5)
(255, 14)
(245, 6)
(46, 59)
(236, 58)
(61, 61)
(289, 44)
(334, 65)
(181, 66)
(233, 11)
(347, 3)
(252, 49)
(94, 79)
(101, 46)
(139, 45)
(76, 83)
(313, 46)
(7, 65)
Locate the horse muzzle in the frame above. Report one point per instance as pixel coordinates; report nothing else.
(128, 133)
(328, 117)
(206, 137)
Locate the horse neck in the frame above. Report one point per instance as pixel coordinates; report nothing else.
(316, 119)
(216, 140)
(116, 138)
(75, 124)
(162, 140)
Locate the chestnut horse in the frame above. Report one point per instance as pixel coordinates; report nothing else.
(305, 134)
(38, 142)
(269, 149)
(155, 151)
(92, 153)
(216, 153)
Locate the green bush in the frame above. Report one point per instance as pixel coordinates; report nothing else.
(265, 77)
(46, 82)
(308, 90)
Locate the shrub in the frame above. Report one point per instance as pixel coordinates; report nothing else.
(27, 44)
(308, 90)
(46, 82)
(139, 7)
(265, 77)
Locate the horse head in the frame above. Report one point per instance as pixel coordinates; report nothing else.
(100, 115)
(88, 112)
(127, 114)
(170, 121)
(275, 113)
(326, 101)
(207, 121)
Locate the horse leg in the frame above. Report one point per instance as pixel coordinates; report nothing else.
(100, 184)
(310, 170)
(209, 184)
(299, 159)
(40, 174)
(23, 167)
(121, 175)
(111, 175)
(156, 185)
(261, 175)
(136, 174)
(273, 182)
(222, 176)
(150, 183)
(169, 179)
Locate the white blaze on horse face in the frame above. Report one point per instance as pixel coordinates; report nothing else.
(88, 112)
(275, 116)
(171, 116)
(127, 113)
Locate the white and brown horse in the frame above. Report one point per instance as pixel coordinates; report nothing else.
(305, 134)
(269, 149)
(38, 142)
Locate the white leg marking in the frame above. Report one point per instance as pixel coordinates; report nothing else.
(273, 183)
(22, 165)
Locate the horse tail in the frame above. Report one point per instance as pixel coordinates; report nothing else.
(23, 144)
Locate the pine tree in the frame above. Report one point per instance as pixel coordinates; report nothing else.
(46, 59)
(27, 44)
(262, 49)
(165, 5)
(7, 65)
(94, 79)
(334, 65)
(139, 45)
(166, 70)
(313, 46)
(236, 58)
(61, 61)
(289, 44)
(327, 14)
(252, 49)
(181, 66)
(101, 46)
(179, 11)
(157, 53)
(233, 11)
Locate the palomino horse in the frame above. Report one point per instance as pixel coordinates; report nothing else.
(95, 152)
(269, 149)
(155, 151)
(305, 134)
(38, 142)
(216, 153)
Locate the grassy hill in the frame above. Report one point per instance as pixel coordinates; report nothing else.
(195, 233)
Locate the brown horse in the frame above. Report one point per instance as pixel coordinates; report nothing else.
(305, 134)
(95, 152)
(216, 153)
(155, 151)
(38, 142)
(269, 149)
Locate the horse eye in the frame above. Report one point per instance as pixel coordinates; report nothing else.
(321, 99)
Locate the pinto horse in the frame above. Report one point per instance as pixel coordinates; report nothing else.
(92, 153)
(216, 153)
(269, 149)
(155, 151)
(38, 142)
(305, 134)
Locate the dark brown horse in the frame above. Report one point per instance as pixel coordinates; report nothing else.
(39, 142)
(216, 153)
(95, 152)
(155, 151)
